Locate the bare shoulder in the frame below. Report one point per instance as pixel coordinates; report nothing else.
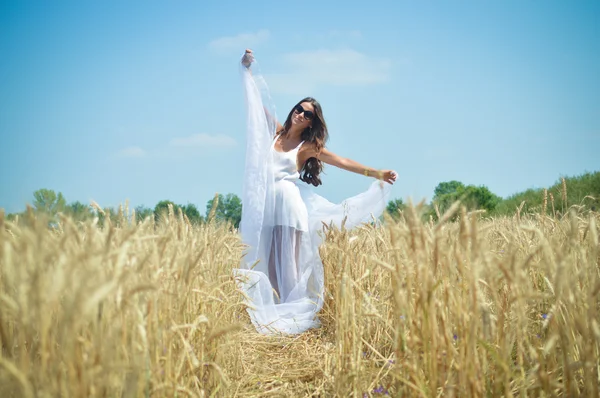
(308, 150)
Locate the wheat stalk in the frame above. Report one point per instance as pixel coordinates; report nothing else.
(477, 307)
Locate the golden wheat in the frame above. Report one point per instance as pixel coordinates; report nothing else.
(475, 307)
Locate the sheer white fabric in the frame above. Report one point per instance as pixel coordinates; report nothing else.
(281, 272)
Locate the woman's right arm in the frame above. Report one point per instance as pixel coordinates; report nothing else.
(279, 127)
(247, 60)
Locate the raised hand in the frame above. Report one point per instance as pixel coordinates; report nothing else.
(248, 58)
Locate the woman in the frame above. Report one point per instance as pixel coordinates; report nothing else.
(281, 272)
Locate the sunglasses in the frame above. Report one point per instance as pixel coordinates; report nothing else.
(307, 114)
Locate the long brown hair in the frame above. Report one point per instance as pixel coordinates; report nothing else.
(316, 134)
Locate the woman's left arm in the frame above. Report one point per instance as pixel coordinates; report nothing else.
(331, 158)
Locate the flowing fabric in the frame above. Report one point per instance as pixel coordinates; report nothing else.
(281, 272)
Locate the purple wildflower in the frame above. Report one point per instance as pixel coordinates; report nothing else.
(380, 390)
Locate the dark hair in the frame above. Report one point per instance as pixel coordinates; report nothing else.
(317, 134)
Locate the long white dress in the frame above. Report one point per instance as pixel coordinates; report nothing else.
(281, 272)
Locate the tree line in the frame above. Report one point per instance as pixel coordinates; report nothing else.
(47, 201)
(583, 190)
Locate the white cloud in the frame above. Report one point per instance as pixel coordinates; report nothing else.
(203, 141)
(240, 42)
(342, 67)
(131, 152)
(179, 147)
(311, 69)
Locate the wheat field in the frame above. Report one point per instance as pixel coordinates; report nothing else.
(465, 307)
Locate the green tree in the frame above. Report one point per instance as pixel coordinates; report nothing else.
(229, 208)
(13, 216)
(48, 201)
(162, 207)
(79, 211)
(580, 190)
(448, 187)
(446, 193)
(394, 207)
(192, 213)
(479, 198)
(531, 197)
(471, 196)
(109, 212)
(142, 212)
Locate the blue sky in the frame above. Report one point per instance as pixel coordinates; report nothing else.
(142, 101)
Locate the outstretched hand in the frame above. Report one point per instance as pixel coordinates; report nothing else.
(248, 58)
(388, 176)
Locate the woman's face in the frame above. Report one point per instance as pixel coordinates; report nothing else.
(303, 114)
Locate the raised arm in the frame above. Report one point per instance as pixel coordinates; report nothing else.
(247, 60)
(274, 120)
(331, 158)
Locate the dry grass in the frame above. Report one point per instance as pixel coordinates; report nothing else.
(477, 307)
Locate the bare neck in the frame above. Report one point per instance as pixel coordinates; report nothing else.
(295, 133)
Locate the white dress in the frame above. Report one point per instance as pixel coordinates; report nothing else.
(281, 272)
(287, 194)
